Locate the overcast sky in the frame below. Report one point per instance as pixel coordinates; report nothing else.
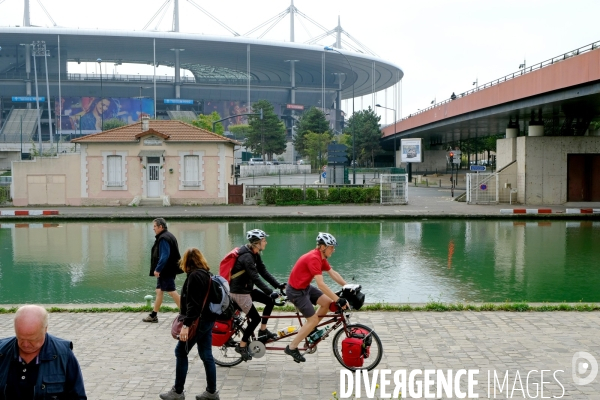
(441, 45)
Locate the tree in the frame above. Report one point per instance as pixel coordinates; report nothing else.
(316, 148)
(113, 123)
(364, 126)
(313, 121)
(239, 131)
(206, 122)
(267, 135)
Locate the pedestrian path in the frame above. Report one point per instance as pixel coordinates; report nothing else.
(124, 358)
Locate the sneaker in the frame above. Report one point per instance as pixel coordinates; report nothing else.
(173, 395)
(266, 335)
(243, 351)
(208, 396)
(150, 318)
(295, 354)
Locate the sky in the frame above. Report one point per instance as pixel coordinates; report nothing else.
(443, 46)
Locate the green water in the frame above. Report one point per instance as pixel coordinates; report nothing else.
(394, 261)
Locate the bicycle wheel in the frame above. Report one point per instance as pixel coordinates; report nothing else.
(370, 360)
(225, 355)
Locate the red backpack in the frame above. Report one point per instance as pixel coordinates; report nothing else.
(227, 264)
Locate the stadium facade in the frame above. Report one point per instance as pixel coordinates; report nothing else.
(229, 74)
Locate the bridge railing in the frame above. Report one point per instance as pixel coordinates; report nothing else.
(520, 72)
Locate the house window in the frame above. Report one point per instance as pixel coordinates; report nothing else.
(191, 173)
(114, 166)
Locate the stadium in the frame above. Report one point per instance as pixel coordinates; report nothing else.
(223, 74)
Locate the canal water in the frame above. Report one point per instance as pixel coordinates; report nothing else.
(395, 261)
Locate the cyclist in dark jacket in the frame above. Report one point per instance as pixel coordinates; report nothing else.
(246, 273)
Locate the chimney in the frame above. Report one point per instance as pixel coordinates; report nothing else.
(145, 124)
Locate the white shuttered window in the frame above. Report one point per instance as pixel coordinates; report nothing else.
(191, 173)
(115, 171)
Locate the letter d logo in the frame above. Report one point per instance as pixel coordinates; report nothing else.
(580, 365)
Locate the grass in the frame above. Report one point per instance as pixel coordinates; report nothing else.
(428, 307)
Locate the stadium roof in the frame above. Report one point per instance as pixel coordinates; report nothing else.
(217, 56)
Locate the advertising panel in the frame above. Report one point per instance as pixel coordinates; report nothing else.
(411, 150)
(228, 109)
(84, 115)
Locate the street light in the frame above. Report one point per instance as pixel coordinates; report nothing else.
(99, 61)
(394, 110)
(329, 48)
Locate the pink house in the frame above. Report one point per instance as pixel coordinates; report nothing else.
(169, 161)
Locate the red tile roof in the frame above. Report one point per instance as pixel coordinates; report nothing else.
(172, 131)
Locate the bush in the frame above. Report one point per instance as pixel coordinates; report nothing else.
(322, 194)
(286, 195)
(346, 195)
(270, 195)
(311, 194)
(333, 195)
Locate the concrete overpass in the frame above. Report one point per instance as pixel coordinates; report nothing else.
(551, 149)
(565, 89)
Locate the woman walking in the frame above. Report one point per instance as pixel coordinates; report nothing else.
(194, 298)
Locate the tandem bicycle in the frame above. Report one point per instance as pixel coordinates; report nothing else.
(355, 346)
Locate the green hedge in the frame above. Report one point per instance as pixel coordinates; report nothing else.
(274, 195)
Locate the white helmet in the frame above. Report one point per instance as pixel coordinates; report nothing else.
(326, 238)
(255, 235)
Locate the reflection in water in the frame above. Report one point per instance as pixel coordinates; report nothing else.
(395, 261)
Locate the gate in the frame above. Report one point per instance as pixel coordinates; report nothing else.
(235, 194)
(482, 188)
(394, 188)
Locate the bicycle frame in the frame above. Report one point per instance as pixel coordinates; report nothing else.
(338, 319)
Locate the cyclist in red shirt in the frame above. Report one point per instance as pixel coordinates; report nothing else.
(303, 295)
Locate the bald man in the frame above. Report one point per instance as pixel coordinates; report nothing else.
(36, 365)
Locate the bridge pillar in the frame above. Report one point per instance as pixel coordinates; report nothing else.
(536, 130)
(512, 133)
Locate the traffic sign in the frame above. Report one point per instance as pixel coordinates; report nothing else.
(337, 159)
(324, 174)
(478, 168)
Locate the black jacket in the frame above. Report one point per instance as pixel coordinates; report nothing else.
(252, 265)
(172, 267)
(193, 292)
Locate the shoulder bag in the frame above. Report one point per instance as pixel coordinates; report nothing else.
(177, 323)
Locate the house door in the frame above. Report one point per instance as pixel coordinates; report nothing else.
(153, 181)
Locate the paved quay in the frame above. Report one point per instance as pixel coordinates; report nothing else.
(423, 202)
(124, 358)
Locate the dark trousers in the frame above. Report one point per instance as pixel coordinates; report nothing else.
(253, 317)
(203, 340)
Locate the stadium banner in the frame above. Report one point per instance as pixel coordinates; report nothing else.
(84, 115)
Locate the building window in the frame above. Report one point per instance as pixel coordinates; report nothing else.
(191, 174)
(114, 166)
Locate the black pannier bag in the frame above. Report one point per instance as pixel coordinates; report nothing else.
(351, 292)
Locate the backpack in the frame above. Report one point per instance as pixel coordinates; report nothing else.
(220, 302)
(227, 264)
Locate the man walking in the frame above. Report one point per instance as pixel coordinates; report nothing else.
(33, 358)
(164, 265)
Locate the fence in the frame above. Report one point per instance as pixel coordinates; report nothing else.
(249, 171)
(394, 188)
(482, 188)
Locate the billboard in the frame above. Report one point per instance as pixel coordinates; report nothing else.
(411, 150)
(84, 115)
(228, 109)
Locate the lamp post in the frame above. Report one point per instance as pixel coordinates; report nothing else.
(329, 48)
(99, 60)
(387, 108)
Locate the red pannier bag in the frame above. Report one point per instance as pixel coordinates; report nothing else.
(221, 332)
(367, 340)
(352, 352)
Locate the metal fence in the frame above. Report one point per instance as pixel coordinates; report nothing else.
(394, 188)
(482, 188)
